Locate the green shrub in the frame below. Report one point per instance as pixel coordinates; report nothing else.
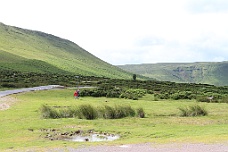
(183, 95)
(109, 112)
(163, 96)
(224, 99)
(118, 112)
(73, 112)
(175, 96)
(67, 113)
(192, 111)
(141, 113)
(129, 111)
(134, 94)
(88, 112)
(49, 112)
(202, 98)
(114, 93)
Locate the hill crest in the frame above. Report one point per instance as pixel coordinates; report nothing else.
(25, 50)
(214, 73)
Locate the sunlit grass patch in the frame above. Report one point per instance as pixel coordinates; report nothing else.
(22, 122)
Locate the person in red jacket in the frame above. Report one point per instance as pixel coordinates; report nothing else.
(76, 94)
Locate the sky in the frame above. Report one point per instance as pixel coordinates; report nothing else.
(130, 31)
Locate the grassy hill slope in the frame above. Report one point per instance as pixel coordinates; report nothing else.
(215, 73)
(33, 51)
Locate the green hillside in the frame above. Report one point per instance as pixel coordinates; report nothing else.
(215, 73)
(32, 51)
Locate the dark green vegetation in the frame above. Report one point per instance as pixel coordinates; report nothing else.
(13, 79)
(215, 73)
(27, 51)
(194, 110)
(90, 112)
(129, 89)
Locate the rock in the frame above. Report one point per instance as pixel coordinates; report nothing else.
(78, 131)
(30, 129)
(86, 139)
(91, 131)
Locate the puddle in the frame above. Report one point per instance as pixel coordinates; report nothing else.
(78, 135)
(95, 138)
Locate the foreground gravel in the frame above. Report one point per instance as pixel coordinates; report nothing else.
(148, 147)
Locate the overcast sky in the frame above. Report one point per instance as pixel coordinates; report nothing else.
(130, 31)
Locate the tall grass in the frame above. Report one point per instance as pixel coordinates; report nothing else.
(141, 113)
(118, 112)
(55, 113)
(49, 112)
(192, 111)
(89, 112)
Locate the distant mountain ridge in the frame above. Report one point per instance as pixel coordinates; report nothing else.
(33, 51)
(215, 73)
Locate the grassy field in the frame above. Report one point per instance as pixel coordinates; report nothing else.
(21, 124)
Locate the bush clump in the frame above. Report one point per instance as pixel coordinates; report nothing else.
(88, 112)
(141, 113)
(118, 112)
(193, 111)
(183, 95)
(49, 112)
(134, 94)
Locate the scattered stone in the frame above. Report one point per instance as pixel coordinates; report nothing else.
(78, 135)
(91, 131)
(86, 139)
(30, 129)
(78, 131)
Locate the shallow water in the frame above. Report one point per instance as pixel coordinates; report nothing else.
(95, 138)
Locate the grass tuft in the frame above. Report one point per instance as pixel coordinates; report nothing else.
(193, 111)
(89, 112)
(141, 113)
(49, 112)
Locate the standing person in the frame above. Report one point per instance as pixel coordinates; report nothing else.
(78, 91)
(76, 94)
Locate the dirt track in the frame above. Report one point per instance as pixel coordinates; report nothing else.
(5, 102)
(147, 147)
(15, 91)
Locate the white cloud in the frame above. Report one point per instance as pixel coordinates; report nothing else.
(208, 6)
(130, 31)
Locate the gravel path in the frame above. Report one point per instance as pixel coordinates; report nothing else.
(9, 92)
(6, 100)
(148, 147)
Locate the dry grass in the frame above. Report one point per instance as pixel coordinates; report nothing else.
(6, 102)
